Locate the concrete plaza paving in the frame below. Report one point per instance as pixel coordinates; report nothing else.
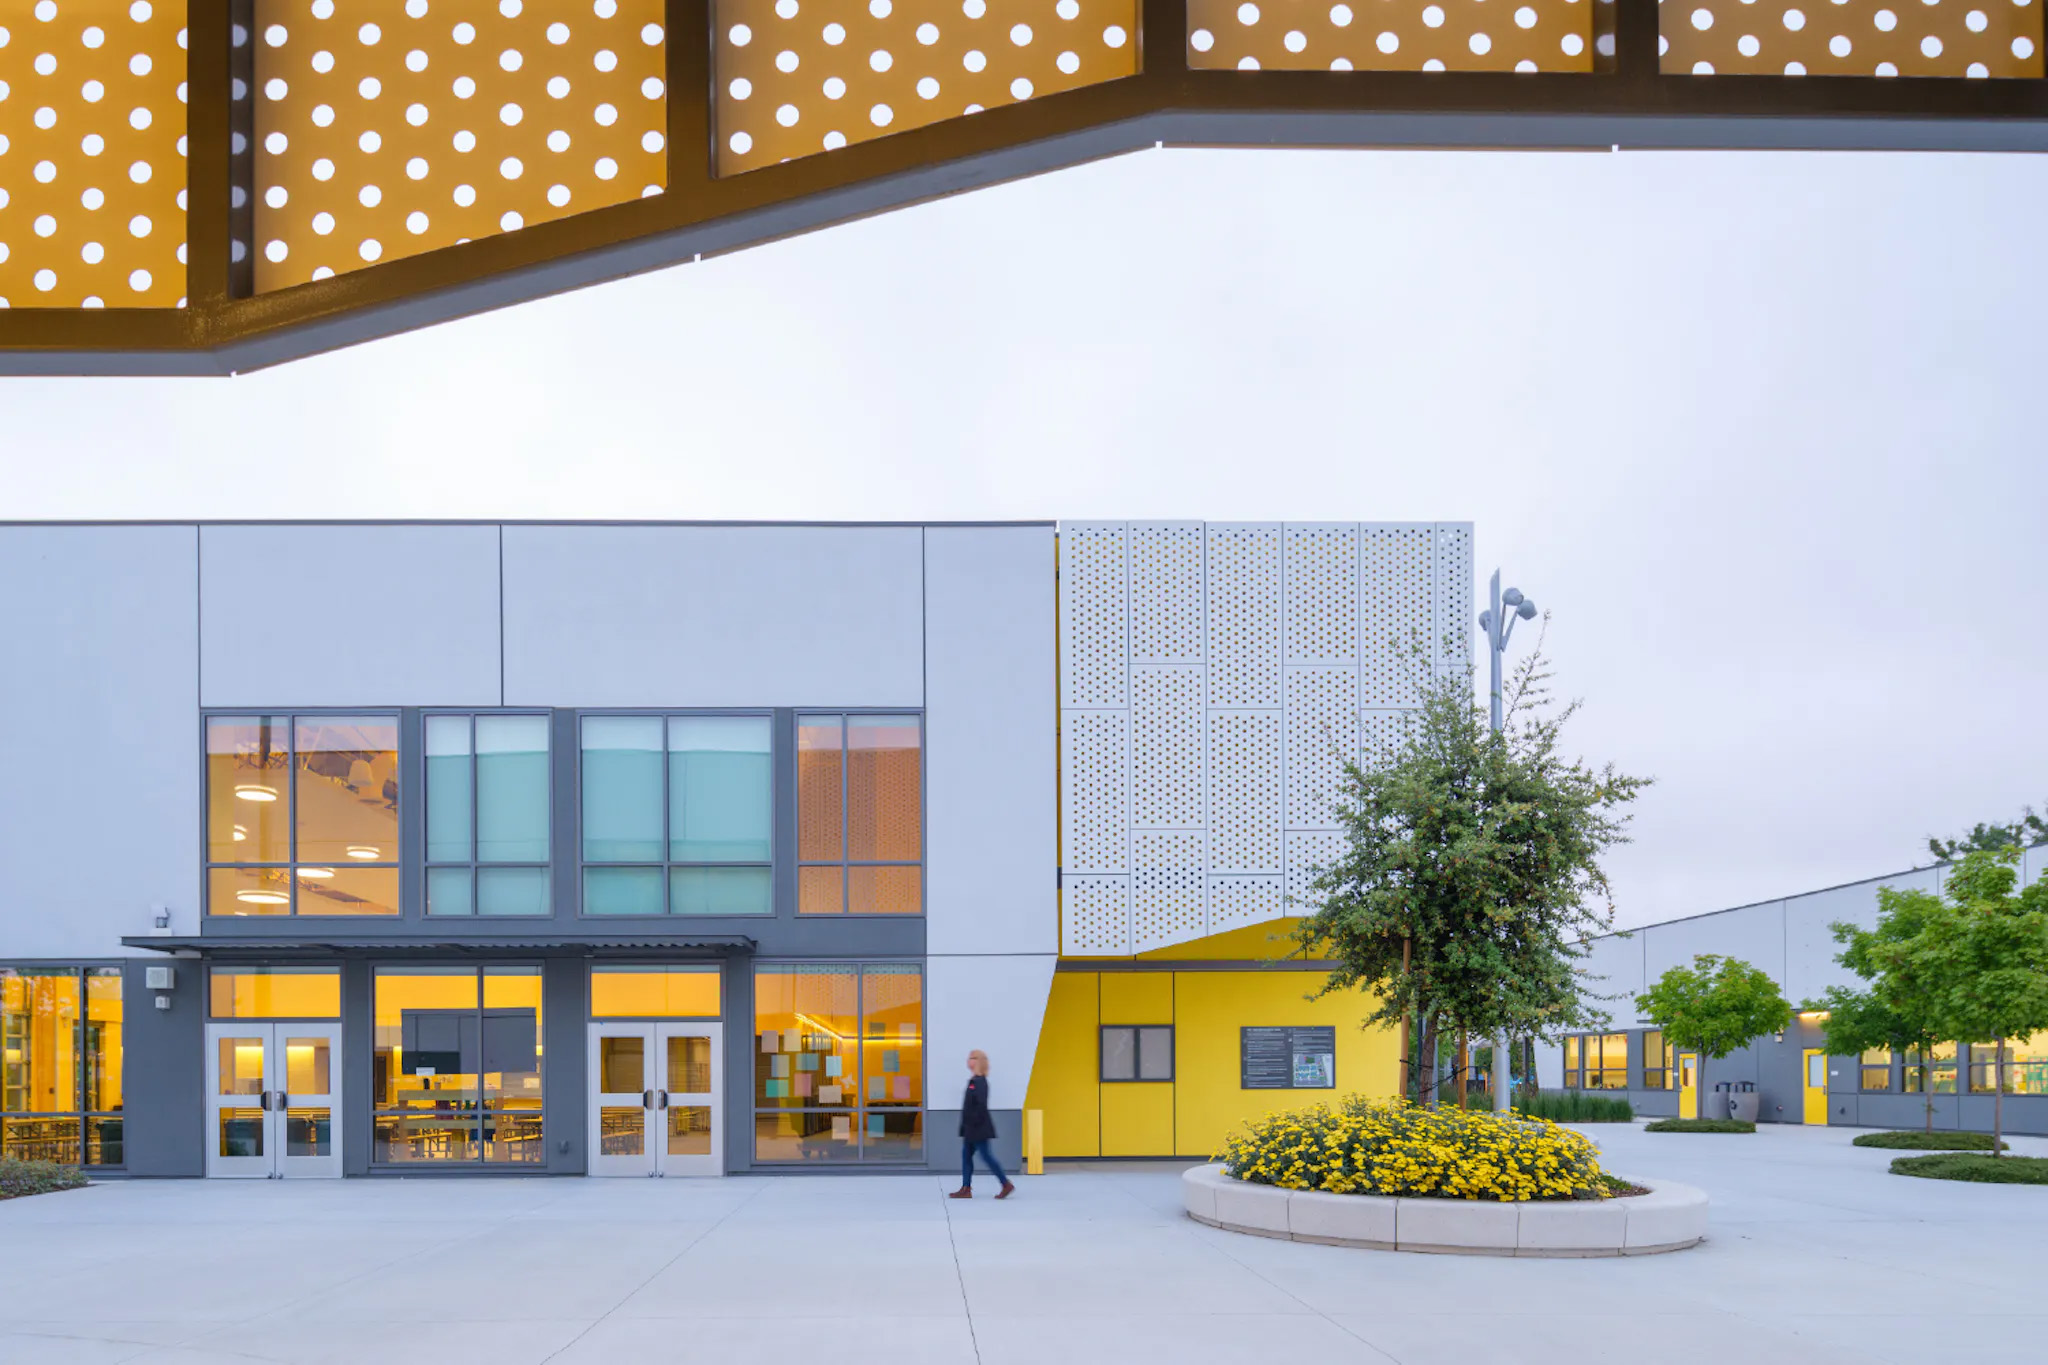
(1816, 1255)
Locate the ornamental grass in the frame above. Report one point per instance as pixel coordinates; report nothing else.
(1392, 1147)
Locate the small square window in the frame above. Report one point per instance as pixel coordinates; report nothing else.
(1137, 1052)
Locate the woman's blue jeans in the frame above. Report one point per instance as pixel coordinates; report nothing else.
(967, 1150)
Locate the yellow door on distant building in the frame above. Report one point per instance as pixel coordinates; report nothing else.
(1816, 1086)
(1688, 1085)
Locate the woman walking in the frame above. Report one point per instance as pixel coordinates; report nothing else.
(977, 1130)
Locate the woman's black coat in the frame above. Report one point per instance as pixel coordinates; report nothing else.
(975, 1124)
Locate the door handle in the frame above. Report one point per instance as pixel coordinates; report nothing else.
(664, 1099)
(283, 1100)
(647, 1099)
(263, 1098)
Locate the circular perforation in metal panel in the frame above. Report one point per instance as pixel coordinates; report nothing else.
(1167, 904)
(1391, 35)
(1166, 739)
(1956, 38)
(92, 153)
(1244, 615)
(1166, 592)
(1094, 614)
(1097, 785)
(1322, 594)
(1397, 578)
(799, 77)
(1245, 790)
(1322, 736)
(385, 128)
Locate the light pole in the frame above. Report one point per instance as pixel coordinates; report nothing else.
(1498, 627)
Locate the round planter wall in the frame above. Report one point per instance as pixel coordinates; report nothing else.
(1670, 1217)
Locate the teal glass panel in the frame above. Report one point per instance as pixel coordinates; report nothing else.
(720, 789)
(448, 891)
(622, 891)
(512, 891)
(448, 804)
(721, 891)
(512, 789)
(622, 789)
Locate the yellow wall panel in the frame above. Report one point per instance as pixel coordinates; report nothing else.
(1137, 997)
(1137, 1119)
(1063, 1078)
(1213, 1006)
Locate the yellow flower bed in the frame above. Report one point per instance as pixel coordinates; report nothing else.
(1391, 1147)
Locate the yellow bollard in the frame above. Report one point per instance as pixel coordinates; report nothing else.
(1034, 1142)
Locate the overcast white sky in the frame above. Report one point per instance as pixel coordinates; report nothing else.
(1764, 431)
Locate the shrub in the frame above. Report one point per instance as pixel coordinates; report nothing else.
(1699, 1126)
(1928, 1142)
(1572, 1106)
(1391, 1147)
(18, 1178)
(1975, 1166)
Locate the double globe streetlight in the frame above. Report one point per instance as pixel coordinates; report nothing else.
(1499, 625)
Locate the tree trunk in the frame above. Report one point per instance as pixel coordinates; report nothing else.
(1998, 1102)
(1407, 1071)
(1927, 1087)
(1530, 1088)
(1461, 1067)
(1425, 1064)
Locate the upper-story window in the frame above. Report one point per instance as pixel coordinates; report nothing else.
(860, 815)
(487, 815)
(302, 815)
(678, 815)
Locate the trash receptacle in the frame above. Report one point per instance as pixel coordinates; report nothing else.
(1714, 1103)
(1742, 1102)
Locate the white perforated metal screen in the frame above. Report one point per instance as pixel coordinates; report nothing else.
(1214, 677)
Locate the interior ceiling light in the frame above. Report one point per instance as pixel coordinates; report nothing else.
(363, 851)
(316, 872)
(262, 897)
(255, 791)
(240, 834)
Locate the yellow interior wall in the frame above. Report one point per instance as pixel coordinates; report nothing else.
(1190, 1116)
(1063, 1078)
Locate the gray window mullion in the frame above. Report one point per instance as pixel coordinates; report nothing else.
(667, 830)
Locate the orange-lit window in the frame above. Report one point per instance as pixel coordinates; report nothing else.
(860, 815)
(839, 1062)
(654, 993)
(302, 815)
(60, 1064)
(456, 1066)
(274, 993)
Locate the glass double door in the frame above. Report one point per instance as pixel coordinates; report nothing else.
(273, 1100)
(654, 1106)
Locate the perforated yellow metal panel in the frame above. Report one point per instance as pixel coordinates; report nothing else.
(797, 77)
(92, 153)
(390, 127)
(1980, 38)
(1391, 35)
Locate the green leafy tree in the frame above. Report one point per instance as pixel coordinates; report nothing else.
(1714, 1006)
(1471, 869)
(1894, 1008)
(1979, 958)
(2029, 828)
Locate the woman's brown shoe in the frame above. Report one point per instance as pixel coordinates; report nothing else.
(964, 1193)
(1007, 1190)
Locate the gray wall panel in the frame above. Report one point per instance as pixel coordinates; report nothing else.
(163, 1072)
(101, 688)
(1755, 934)
(349, 615)
(1614, 968)
(1810, 966)
(990, 771)
(713, 616)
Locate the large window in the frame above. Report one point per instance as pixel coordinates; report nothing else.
(274, 993)
(1660, 1061)
(1933, 1074)
(487, 815)
(60, 1064)
(839, 1062)
(654, 992)
(302, 815)
(2026, 1067)
(1876, 1069)
(678, 815)
(456, 1074)
(1597, 1061)
(860, 815)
